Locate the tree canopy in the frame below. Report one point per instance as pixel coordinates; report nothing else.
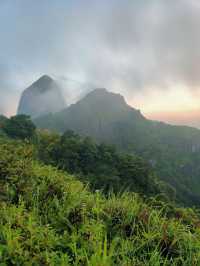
(19, 127)
(100, 165)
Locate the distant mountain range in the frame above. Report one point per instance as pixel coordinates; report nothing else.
(173, 151)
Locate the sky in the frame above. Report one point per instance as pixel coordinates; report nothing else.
(147, 50)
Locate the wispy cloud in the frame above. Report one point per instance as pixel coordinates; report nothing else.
(127, 46)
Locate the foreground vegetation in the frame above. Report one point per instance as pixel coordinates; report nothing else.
(48, 217)
(98, 164)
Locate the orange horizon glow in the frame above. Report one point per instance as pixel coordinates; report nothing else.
(189, 117)
(175, 105)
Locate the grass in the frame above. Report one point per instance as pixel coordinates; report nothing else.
(50, 218)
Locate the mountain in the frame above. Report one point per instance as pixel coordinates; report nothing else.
(107, 117)
(173, 151)
(42, 97)
(97, 115)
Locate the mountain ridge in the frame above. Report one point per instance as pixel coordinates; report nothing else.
(106, 117)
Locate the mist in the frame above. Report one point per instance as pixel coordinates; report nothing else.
(134, 47)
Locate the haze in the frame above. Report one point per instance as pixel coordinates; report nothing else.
(146, 50)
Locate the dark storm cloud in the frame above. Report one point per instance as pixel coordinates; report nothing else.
(127, 45)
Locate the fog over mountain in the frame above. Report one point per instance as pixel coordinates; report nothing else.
(146, 50)
(43, 97)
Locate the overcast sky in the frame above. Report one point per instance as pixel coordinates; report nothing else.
(148, 50)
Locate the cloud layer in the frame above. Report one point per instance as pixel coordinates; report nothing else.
(131, 47)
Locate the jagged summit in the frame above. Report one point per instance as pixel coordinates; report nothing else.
(45, 77)
(42, 97)
(43, 83)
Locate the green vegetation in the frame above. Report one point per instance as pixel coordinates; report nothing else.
(48, 217)
(100, 165)
(19, 127)
(3, 119)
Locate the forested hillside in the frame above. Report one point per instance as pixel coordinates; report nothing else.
(102, 166)
(48, 217)
(173, 151)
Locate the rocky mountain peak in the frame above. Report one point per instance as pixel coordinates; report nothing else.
(42, 97)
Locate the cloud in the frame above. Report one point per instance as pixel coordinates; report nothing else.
(128, 46)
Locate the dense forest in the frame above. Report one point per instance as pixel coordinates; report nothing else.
(66, 200)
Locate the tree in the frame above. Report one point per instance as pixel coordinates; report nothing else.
(3, 119)
(19, 127)
(47, 143)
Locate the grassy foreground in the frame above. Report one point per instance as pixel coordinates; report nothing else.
(47, 217)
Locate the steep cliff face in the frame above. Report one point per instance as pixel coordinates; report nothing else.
(42, 97)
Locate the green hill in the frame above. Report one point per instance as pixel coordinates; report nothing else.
(100, 165)
(173, 151)
(48, 217)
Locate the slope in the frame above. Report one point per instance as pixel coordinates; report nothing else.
(50, 218)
